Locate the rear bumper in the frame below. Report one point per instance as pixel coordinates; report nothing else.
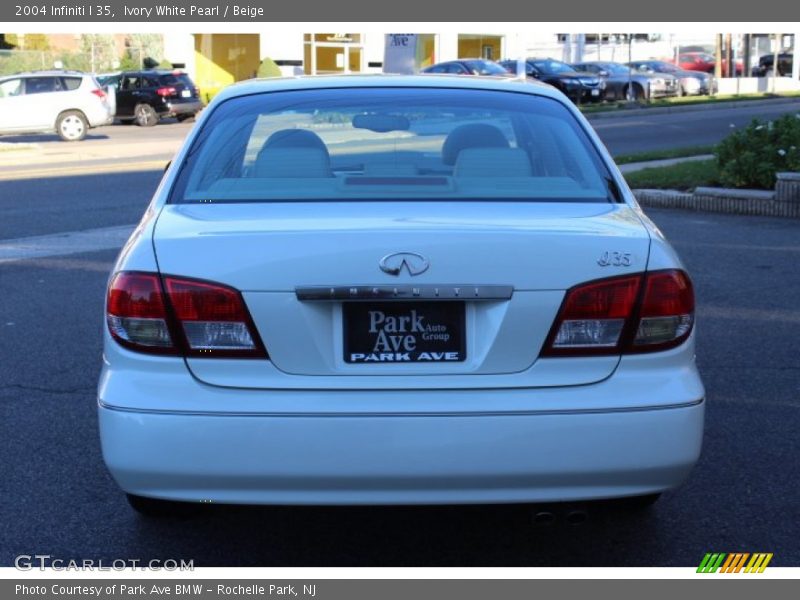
(396, 459)
(183, 108)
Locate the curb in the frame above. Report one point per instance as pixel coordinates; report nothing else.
(661, 110)
(722, 200)
(661, 162)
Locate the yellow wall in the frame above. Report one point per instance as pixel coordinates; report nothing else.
(222, 59)
(471, 46)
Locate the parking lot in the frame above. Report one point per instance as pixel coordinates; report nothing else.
(741, 497)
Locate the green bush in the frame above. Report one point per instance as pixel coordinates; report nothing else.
(752, 156)
(268, 68)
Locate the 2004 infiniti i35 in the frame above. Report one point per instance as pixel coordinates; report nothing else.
(388, 289)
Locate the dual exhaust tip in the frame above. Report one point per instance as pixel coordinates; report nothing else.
(549, 518)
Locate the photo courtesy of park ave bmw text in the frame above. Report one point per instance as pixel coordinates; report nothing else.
(485, 295)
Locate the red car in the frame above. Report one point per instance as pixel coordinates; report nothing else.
(705, 62)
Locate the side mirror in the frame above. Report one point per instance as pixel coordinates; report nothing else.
(603, 73)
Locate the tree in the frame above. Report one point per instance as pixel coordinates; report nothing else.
(99, 50)
(144, 49)
(268, 68)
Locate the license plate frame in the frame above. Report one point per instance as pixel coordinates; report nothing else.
(404, 332)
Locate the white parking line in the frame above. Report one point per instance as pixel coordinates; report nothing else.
(64, 243)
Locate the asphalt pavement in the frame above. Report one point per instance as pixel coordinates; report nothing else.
(58, 498)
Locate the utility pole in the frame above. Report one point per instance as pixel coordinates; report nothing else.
(746, 58)
(718, 57)
(775, 62)
(730, 69)
(631, 95)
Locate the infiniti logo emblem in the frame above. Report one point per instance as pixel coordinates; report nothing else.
(414, 263)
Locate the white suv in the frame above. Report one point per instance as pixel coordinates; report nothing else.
(66, 102)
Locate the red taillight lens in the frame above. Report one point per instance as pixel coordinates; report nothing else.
(638, 313)
(213, 318)
(667, 312)
(136, 315)
(99, 93)
(193, 318)
(593, 316)
(166, 91)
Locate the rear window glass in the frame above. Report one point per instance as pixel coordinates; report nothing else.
(391, 143)
(173, 79)
(72, 83)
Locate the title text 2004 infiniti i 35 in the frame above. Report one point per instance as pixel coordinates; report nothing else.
(385, 290)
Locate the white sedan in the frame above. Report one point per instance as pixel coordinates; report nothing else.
(397, 290)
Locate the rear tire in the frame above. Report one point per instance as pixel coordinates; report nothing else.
(160, 509)
(72, 126)
(145, 115)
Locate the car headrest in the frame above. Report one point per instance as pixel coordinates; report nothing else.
(291, 162)
(294, 138)
(493, 162)
(475, 135)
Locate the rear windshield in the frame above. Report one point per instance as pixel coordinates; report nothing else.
(175, 79)
(392, 143)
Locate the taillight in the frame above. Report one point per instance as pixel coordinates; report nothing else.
(180, 316)
(99, 93)
(166, 91)
(622, 315)
(667, 313)
(213, 318)
(136, 315)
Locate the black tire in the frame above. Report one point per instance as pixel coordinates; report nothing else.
(634, 93)
(160, 509)
(72, 126)
(182, 118)
(145, 115)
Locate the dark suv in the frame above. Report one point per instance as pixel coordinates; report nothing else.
(766, 62)
(143, 97)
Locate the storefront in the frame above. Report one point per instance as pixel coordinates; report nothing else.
(330, 53)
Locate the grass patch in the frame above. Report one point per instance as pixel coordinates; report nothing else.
(624, 159)
(684, 101)
(684, 176)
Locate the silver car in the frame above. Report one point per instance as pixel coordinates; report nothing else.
(68, 103)
(624, 83)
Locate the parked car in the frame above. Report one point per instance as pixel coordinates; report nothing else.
(578, 86)
(766, 63)
(705, 62)
(396, 290)
(144, 97)
(468, 66)
(624, 83)
(68, 103)
(692, 83)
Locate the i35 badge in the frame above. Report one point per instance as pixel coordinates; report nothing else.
(414, 263)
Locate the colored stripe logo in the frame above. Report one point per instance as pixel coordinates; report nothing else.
(734, 562)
